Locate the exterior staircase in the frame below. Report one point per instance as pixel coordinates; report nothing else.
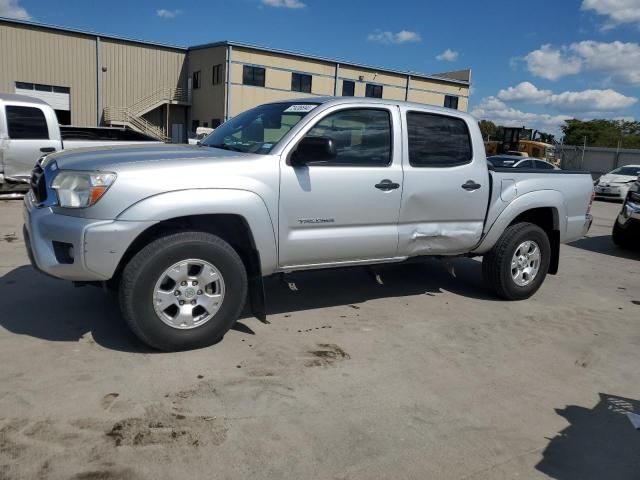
(133, 115)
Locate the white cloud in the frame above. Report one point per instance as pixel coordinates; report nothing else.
(163, 13)
(583, 101)
(591, 101)
(11, 9)
(616, 11)
(618, 61)
(497, 111)
(284, 3)
(552, 64)
(524, 92)
(448, 55)
(386, 37)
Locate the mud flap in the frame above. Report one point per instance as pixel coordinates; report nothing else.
(257, 298)
(554, 263)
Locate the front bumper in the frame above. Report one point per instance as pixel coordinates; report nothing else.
(630, 214)
(617, 192)
(97, 245)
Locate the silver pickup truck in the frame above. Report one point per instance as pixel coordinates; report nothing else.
(187, 233)
(29, 128)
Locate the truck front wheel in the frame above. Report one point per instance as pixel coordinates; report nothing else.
(621, 237)
(183, 291)
(518, 263)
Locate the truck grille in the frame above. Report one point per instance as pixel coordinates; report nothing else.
(38, 184)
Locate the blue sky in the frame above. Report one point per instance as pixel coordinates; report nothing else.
(577, 58)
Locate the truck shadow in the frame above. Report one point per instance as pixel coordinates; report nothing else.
(604, 245)
(42, 307)
(348, 286)
(598, 443)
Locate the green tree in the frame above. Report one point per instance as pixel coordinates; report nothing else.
(546, 137)
(488, 129)
(602, 133)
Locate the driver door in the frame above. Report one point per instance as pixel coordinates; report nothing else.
(345, 209)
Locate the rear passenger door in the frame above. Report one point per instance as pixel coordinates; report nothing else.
(446, 184)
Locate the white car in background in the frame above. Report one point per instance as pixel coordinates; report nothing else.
(201, 132)
(616, 183)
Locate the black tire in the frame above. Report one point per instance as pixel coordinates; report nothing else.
(496, 264)
(144, 269)
(621, 237)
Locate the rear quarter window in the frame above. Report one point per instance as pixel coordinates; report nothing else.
(437, 140)
(26, 123)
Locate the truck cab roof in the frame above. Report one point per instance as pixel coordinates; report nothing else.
(15, 98)
(330, 100)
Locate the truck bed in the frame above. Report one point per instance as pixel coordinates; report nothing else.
(572, 188)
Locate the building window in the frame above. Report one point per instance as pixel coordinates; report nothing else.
(451, 102)
(194, 124)
(26, 123)
(373, 91)
(215, 122)
(253, 76)
(196, 80)
(362, 137)
(348, 88)
(300, 82)
(217, 74)
(437, 140)
(42, 88)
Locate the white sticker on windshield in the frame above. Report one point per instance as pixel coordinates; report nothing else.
(300, 108)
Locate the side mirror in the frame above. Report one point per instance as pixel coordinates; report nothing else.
(313, 149)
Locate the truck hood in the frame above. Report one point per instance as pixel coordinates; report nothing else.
(147, 170)
(124, 157)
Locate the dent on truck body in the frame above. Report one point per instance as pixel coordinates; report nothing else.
(442, 238)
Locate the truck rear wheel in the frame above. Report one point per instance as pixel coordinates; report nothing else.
(183, 291)
(518, 263)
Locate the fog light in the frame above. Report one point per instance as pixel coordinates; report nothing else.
(64, 252)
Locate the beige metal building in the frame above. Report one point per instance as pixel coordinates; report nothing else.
(167, 91)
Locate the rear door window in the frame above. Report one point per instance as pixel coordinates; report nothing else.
(26, 123)
(437, 140)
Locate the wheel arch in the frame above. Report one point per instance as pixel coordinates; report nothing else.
(239, 217)
(544, 208)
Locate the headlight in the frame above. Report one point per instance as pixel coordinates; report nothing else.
(77, 189)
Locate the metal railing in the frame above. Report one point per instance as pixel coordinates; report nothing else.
(133, 114)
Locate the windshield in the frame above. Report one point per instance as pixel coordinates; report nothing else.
(629, 171)
(258, 130)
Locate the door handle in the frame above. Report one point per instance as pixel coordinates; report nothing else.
(387, 185)
(470, 185)
(47, 149)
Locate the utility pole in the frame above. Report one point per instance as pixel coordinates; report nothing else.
(584, 147)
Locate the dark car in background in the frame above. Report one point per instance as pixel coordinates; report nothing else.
(626, 230)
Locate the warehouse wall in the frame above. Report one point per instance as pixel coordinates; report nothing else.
(209, 100)
(136, 71)
(34, 55)
(279, 68)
